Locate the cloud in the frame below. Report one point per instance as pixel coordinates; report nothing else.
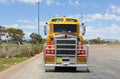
(30, 27)
(12, 26)
(93, 32)
(7, 1)
(98, 16)
(74, 3)
(107, 32)
(3, 1)
(114, 9)
(77, 3)
(50, 2)
(29, 1)
(22, 1)
(33, 22)
(112, 14)
(115, 29)
(27, 21)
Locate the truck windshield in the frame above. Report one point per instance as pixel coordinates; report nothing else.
(65, 28)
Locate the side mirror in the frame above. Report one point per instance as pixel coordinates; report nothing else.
(83, 29)
(45, 29)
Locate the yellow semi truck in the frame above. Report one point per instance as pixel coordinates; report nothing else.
(64, 44)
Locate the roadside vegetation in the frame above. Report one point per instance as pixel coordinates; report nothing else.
(24, 50)
(12, 54)
(15, 49)
(98, 40)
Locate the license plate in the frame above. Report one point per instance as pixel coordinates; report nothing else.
(59, 60)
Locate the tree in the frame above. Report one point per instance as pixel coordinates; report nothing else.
(16, 35)
(96, 41)
(2, 30)
(35, 37)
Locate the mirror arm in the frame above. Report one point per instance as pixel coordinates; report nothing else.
(45, 30)
(83, 29)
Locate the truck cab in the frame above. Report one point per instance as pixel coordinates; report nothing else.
(64, 44)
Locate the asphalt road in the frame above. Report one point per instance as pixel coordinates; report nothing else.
(104, 61)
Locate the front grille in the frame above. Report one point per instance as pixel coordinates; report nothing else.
(66, 46)
(70, 52)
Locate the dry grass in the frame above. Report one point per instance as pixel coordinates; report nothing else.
(13, 50)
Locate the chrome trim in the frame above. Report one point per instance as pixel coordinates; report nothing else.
(63, 36)
(79, 67)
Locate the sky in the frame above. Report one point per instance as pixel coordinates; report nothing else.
(101, 17)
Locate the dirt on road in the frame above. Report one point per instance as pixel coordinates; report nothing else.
(104, 61)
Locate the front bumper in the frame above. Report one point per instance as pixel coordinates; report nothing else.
(79, 67)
